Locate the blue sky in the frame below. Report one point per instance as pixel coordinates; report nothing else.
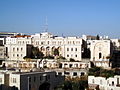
(68, 17)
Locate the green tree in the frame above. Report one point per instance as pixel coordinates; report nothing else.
(83, 84)
(98, 71)
(67, 85)
(61, 57)
(36, 53)
(72, 60)
(98, 37)
(49, 57)
(56, 52)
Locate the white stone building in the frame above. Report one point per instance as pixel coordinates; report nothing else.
(101, 51)
(68, 47)
(20, 64)
(30, 80)
(17, 51)
(11, 40)
(2, 41)
(75, 65)
(19, 39)
(111, 83)
(73, 73)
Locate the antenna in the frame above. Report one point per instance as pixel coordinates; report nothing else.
(46, 24)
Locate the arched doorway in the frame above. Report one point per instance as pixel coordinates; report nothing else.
(100, 55)
(47, 51)
(44, 86)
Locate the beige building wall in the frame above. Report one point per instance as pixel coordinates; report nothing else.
(100, 49)
(17, 52)
(111, 83)
(2, 80)
(69, 47)
(33, 80)
(2, 52)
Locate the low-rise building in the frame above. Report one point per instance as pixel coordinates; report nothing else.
(31, 80)
(74, 64)
(101, 51)
(103, 83)
(73, 73)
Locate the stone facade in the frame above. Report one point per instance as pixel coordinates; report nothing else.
(31, 80)
(68, 47)
(17, 52)
(111, 83)
(101, 51)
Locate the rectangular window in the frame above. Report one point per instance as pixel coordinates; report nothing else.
(14, 80)
(67, 49)
(67, 73)
(0, 80)
(17, 49)
(41, 43)
(59, 73)
(70, 65)
(118, 81)
(75, 55)
(1, 54)
(17, 55)
(21, 49)
(34, 79)
(75, 49)
(67, 55)
(13, 49)
(71, 49)
(48, 42)
(73, 42)
(40, 78)
(112, 83)
(74, 73)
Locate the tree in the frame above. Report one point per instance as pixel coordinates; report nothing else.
(56, 52)
(98, 71)
(49, 57)
(61, 57)
(36, 53)
(83, 84)
(72, 60)
(67, 85)
(98, 37)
